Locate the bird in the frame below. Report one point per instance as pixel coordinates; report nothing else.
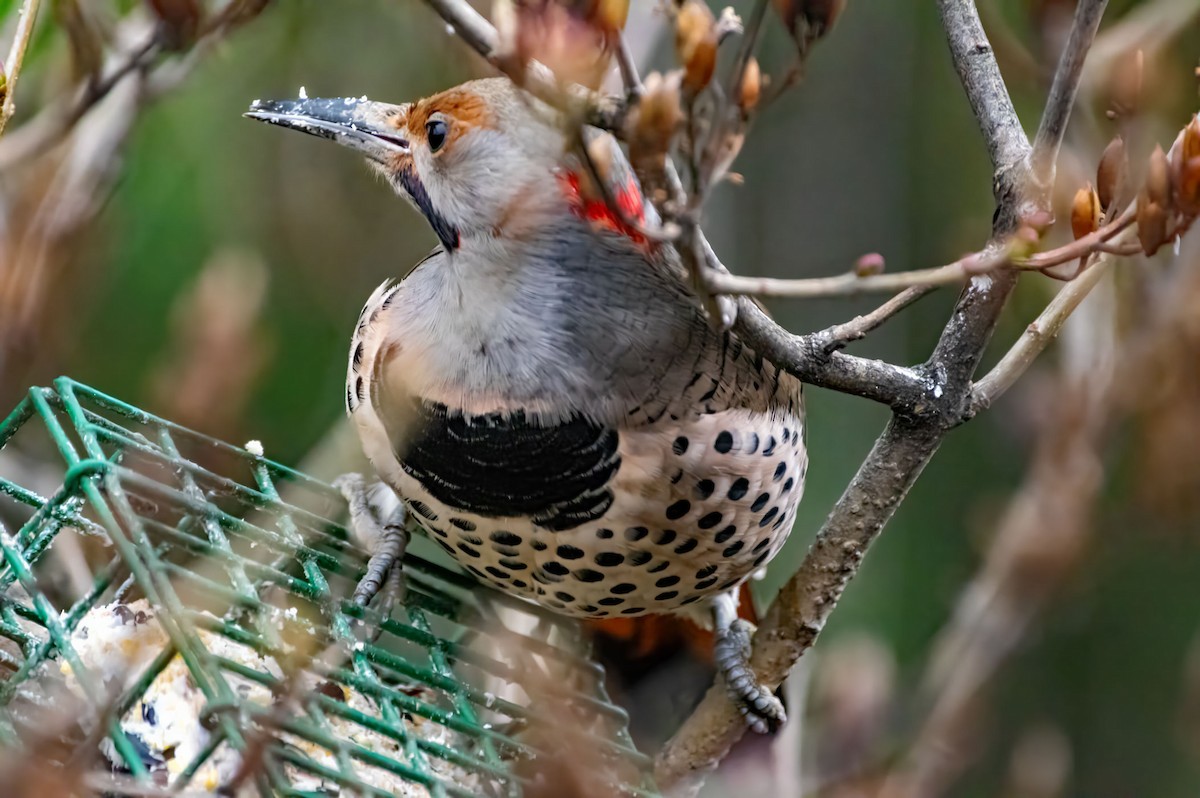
(544, 391)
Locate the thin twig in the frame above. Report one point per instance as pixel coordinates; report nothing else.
(16, 58)
(628, 68)
(1037, 336)
(1062, 91)
(990, 259)
(802, 607)
(858, 327)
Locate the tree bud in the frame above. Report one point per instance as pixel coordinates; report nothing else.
(809, 20)
(1185, 169)
(750, 91)
(1085, 212)
(1158, 179)
(869, 264)
(1151, 222)
(696, 44)
(1111, 171)
(652, 123)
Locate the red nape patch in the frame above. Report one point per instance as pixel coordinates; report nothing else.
(628, 200)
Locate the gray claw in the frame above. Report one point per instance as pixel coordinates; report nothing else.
(758, 705)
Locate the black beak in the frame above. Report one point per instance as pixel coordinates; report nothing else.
(355, 123)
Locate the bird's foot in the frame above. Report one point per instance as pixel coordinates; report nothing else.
(387, 541)
(760, 707)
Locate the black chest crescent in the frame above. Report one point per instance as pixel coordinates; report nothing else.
(507, 465)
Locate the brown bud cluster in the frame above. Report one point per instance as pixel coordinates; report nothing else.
(1086, 212)
(1169, 199)
(696, 44)
(651, 125)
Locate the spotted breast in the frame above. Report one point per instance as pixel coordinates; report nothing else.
(675, 499)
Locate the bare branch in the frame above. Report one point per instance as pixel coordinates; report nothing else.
(858, 327)
(992, 258)
(812, 358)
(1037, 336)
(16, 58)
(469, 24)
(1062, 91)
(800, 610)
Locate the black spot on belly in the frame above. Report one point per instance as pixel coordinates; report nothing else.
(636, 533)
(569, 552)
(680, 445)
(780, 470)
(609, 559)
(760, 559)
(670, 594)
(496, 572)
(733, 548)
(726, 533)
(467, 550)
(588, 575)
(506, 465)
(686, 546)
(664, 536)
(705, 488)
(768, 517)
(538, 545)
(667, 581)
(565, 596)
(762, 544)
(769, 449)
(633, 610)
(760, 502)
(622, 588)
(709, 521)
(611, 601)
(706, 571)
(639, 557)
(464, 524)
(505, 538)
(739, 488)
(787, 485)
(513, 565)
(707, 583)
(555, 568)
(422, 509)
(656, 569)
(678, 510)
(724, 442)
(604, 534)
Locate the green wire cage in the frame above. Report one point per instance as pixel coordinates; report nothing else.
(179, 607)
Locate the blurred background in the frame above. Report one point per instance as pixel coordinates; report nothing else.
(208, 269)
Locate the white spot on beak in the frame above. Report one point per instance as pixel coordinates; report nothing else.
(303, 93)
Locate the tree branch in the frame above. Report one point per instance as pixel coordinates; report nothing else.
(16, 58)
(1062, 91)
(799, 612)
(928, 400)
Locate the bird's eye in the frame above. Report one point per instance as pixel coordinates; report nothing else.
(436, 131)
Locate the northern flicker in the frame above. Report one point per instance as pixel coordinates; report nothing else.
(544, 392)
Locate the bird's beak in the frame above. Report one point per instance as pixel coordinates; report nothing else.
(355, 123)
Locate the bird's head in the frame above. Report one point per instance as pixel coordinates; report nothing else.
(480, 159)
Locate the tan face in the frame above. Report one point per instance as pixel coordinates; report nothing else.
(470, 158)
